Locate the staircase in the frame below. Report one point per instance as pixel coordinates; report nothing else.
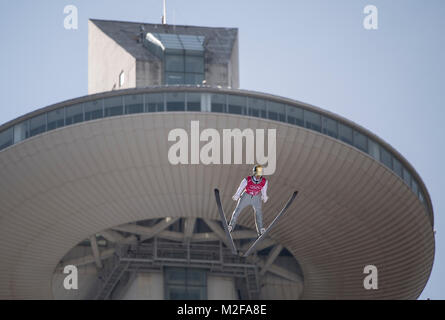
(112, 279)
(252, 283)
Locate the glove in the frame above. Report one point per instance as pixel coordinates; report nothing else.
(265, 199)
(235, 197)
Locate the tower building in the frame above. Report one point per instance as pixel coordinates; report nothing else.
(88, 183)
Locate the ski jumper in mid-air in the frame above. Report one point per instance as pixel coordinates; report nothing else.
(251, 191)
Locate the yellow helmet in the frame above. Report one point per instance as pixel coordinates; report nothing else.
(258, 170)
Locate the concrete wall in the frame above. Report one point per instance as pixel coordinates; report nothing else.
(106, 60)
(234, 66)
(220, 288)
(150, 286)
(145, 286)
(277, 288)
(217, 75)
(148, 73)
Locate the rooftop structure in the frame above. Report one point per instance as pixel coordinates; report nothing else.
(133, 55)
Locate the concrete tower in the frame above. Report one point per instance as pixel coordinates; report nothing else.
(124, 55)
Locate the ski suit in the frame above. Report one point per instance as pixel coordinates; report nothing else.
(252, 191)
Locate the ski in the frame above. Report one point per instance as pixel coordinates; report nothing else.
(224, 222)
(261, 238)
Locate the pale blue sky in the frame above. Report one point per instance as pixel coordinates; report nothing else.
(391, 81)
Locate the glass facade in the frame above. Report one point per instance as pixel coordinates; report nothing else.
(237, 104)
(6, 138)
(113, 106)
(360, 141)
(182, 56)
(385, 157)
(330, 127)
(312, 120)
(193, 101)
(37, 125)
(183, 69)
(94, 110)
(175, 101)
(373, 149)
(74, 114)
(185, 284)
(397, 167)
(56, 119)
(219, 102)
(210, 102)
(276, 111)
(20, 132)
(295, 115)
(257, 108)
(134, 104)
(154, 102)
(345, 133)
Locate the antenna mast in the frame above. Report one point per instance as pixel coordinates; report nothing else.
(164, 16)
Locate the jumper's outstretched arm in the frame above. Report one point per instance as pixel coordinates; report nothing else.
(264, 196)
(241, 188)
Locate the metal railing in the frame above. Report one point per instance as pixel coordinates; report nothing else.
(156, 254)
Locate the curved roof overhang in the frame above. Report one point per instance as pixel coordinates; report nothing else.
(247, 93)
(64, 185)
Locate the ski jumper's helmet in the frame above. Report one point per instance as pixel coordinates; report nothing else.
(258, 170)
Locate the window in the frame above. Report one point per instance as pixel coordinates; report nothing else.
(6, 138)
(37, 125)
(185, 284)
(312, 120)
(174, 78)
(277, 111)
(73, 114)
(174, 63)
(194, 64)
(218, 103)
(414, 187)
(407, 177)
(93, 110)
(154, 102)
(236, 104)
(397, 167)
(193, 102)
(194, 78)
(206, 102)
(385, 157)
(257, 108)
(56, 119)
(183, 57)
(175, 101)
(330, 127)
(20, 131)
(121, 79)
(421, 197)
(134, 103)
(113, 107)
(374, 149)
(184, 69)
(295, 115)
(360, 141)
(345, 133)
